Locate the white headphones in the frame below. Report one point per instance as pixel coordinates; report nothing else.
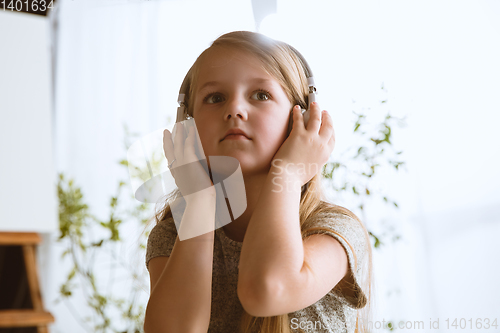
(182, 109)
(151, 180)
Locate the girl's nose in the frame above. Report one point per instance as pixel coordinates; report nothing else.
(236, 107)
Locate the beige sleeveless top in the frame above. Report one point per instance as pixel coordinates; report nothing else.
(335, 312)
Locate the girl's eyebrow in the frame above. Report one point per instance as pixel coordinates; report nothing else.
(207, 84)
(253, 81)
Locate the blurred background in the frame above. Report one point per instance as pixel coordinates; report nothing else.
(77, 79)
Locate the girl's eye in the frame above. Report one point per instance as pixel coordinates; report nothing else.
(261, 95)
(213, 98)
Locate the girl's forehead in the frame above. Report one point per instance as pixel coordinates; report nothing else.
(228, 63)
(220, 56)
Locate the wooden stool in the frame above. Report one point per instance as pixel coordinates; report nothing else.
(37, 316)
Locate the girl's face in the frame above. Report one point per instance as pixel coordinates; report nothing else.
(234, 92)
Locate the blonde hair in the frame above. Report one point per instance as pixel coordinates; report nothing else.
(281, 62)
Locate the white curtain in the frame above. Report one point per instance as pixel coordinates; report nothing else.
(124, 61)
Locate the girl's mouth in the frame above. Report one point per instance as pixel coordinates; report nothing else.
(236, 137)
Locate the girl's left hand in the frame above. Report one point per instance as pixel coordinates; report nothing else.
(306, 150)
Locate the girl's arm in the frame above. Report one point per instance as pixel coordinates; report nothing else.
(279, 272)
(272, 246)
(180, 299)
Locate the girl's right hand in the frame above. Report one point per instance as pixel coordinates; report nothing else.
(190, 176)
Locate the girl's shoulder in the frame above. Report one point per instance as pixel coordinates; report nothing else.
(339, 225)
(333, 216)
(349, 231)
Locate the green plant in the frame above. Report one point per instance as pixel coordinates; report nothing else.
(77, 229)
(355, 170)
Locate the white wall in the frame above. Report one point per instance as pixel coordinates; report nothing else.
(28, 199)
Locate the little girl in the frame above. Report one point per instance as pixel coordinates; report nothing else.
(292, 262)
